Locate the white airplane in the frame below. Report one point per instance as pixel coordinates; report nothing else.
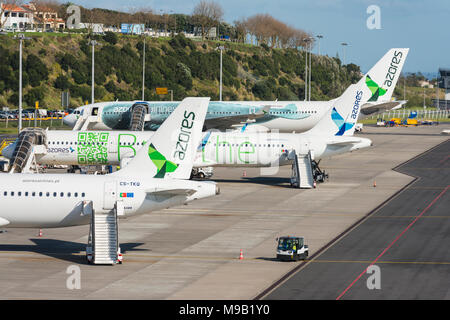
(285, 116)
(332, 135)
(154, 179)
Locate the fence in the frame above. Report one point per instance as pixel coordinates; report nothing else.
(32, 122)
(421, 114)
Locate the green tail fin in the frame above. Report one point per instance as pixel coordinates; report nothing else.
(375, 89)
(162, 164)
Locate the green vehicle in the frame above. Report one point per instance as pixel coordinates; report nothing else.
(292, 248)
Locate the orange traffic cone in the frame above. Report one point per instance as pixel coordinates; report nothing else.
(241, 255)
(40, 232)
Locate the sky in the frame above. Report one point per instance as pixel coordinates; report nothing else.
(420, 25)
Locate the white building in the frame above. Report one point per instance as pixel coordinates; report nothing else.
(94, 27)
(14, 17)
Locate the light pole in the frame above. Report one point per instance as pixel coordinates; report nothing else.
(344, 44)
(143, 73)
(319, 36)
(162, 22)
(306, 69)
(165, 23)
(424, 107)
(221, 48)
(310, 69)
(404, 87)
(174, 32)
(437, 94)
(20, 37)
(93, 43)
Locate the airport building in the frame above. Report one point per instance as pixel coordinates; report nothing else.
(443, 83)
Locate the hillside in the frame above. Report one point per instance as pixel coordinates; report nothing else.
(59, 62)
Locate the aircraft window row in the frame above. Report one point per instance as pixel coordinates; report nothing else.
(272, 112)
(95, 143)
(130, 143)
(75, 143)
(291, 112)
(246, 145)
(44, 194)
(229, 112)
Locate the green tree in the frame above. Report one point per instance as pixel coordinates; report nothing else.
(110, 37)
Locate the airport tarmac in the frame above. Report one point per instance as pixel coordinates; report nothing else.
(406, 240)
(192, 251)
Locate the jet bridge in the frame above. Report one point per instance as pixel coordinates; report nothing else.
(31, 141)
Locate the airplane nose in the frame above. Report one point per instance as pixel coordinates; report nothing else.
(69, 120)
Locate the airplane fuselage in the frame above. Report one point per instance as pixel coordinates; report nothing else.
(238, 149)
(55, 200)
(285, 116)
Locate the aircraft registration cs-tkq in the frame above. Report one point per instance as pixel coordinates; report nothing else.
(332, 135)
(285, 116)
(155, 178)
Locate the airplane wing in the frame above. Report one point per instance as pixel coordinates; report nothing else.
(223, 123)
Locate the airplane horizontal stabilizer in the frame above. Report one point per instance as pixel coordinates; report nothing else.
(173, 192)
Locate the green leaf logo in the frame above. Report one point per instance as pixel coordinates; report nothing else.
(162, 164)
(375, 89)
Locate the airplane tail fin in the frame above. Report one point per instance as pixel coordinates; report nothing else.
(170, 152)
(377, 84)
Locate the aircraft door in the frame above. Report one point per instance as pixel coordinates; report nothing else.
(304, 146)
(112, 144)
(109, 195)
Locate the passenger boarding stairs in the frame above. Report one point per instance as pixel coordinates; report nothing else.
(302, 171)
(84, 122)
(138, 116)
(103, 242)
(30, 142)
